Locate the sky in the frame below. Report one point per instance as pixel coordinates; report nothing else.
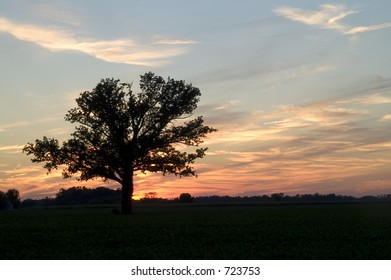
(300, 91)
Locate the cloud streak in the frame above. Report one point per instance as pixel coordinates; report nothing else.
(373, 99)
(328, 16)
(11, 148)
(324, 146)
(124, 51)
(360, 29)
(386, 118)
(175, 42)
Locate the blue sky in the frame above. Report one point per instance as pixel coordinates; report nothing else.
(299, 90)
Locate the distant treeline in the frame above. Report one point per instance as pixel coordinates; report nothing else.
(280, 197)
(103, 195)
(78, 196)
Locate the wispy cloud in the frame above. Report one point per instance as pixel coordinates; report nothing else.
(175, 42)
(360, 29)
(11, 126)
(328, 16)
(125, 51)
(386, 118)
(372, 99)
(316, 147)
(229, 104)
(11, 148)
(18, 124)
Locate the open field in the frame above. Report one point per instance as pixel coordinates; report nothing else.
(277, 231)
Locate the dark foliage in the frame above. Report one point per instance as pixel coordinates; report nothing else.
(78, 196)
(121, 132)
(185, 198)
(11, 196)
(300, 198)
(30, 202)
(2, 196)
(151, 197)
(83, 195)
(277, 196)
(102, 195)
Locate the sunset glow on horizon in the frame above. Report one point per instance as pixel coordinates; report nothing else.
(300, 95)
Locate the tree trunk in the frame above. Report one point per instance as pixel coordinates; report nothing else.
(126, 195)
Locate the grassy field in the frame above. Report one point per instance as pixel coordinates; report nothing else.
(311, 231)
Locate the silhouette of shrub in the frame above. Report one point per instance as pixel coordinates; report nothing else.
(185, 198)
(277, 196)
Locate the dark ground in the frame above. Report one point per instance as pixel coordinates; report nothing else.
(265, 231)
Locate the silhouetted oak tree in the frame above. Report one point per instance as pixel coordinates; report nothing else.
(121, 133)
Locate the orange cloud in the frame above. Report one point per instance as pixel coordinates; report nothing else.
(386, 118)
(324, 146)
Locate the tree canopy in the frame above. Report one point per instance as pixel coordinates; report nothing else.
(12, 196)
(121, 133)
